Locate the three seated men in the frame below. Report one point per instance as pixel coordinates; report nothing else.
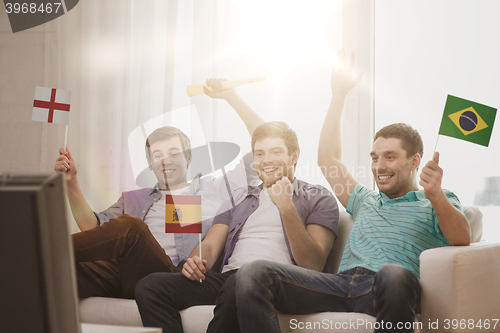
(267, 251)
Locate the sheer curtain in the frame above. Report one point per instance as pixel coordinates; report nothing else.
(293, 45)
(126, 62)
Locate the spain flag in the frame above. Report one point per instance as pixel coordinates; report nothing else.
(467, 120)
(183, 214)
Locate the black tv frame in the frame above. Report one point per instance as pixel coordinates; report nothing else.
(38, 290)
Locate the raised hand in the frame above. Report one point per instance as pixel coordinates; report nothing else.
(342, 81)
(281, 193)
(66, 163)
(219, 93)
(194, 268)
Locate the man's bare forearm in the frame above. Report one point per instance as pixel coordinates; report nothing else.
(83, 214)
(330, 151)
(330, 141)
(452, 222)
(206, 253)
(306, 251)
(251, 119)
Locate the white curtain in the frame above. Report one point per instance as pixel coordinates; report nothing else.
(126, 62)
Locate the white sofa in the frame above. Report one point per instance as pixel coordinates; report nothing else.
(460, 283)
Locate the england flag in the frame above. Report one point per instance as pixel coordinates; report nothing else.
(51, 105)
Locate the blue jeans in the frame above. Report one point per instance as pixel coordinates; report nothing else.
(262, 287)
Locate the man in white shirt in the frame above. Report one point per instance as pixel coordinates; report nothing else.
(284, 220)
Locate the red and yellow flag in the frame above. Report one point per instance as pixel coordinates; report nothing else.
(183, 214)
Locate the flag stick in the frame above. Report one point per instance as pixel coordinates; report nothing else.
(164, 175)
(199, 242)
(66, 137)
(435, 146)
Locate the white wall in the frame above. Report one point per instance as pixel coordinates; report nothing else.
(425, 50)
(292, 44)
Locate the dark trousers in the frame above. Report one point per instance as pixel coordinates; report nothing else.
(112, 258)
(160, 296)
(247, 301)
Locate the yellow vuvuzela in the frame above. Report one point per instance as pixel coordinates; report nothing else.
(197, 89)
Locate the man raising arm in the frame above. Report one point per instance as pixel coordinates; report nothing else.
(330, 142)
(282, 221)
(379, 271)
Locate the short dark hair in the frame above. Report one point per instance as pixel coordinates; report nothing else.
(411, 139)
(277, 129)
(164, 133)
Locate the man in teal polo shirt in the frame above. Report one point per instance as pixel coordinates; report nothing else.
(379, 272)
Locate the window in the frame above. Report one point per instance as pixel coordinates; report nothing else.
(292, 44)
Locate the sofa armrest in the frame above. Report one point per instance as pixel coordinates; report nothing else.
(460, 282)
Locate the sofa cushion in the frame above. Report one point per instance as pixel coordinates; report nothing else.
(114, 311)
(475, 218)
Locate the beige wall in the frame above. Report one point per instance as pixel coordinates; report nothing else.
(21, 67)
(25, 145)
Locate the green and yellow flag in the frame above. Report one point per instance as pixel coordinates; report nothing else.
(467, 120)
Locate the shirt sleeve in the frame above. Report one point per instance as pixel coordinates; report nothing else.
(113, 211)
(325, 211)
(454, 201)
(224, 213)
(234, 184)
(358, 194)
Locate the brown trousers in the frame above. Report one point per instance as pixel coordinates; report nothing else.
(112, 258)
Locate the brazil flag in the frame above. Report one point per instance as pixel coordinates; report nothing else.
(466, 120)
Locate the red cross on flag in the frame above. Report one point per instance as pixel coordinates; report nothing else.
(51, 105)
